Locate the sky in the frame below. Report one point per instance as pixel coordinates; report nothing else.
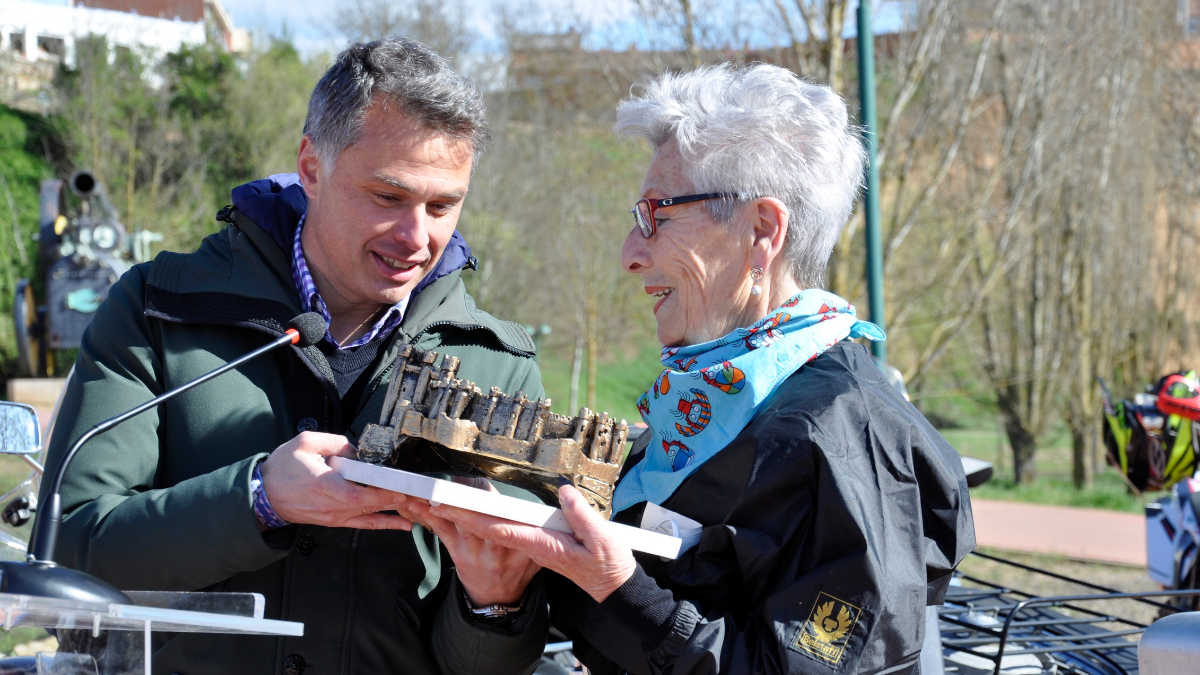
(306, 21)
(612, 23)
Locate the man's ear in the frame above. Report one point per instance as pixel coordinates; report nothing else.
(308, 166)
(770, 230)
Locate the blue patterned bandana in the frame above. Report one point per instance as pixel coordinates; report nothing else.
(710, 391)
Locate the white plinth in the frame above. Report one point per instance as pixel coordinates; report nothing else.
(493, 503)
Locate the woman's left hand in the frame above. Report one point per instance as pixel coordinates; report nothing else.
(593, 559)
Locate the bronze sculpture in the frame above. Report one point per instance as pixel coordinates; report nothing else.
(505, 437)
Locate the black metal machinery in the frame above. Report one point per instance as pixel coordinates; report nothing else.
(83, 248)
(987, 627)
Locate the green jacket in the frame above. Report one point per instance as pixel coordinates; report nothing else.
(163, 501)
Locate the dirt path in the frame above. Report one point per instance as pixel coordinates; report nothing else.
(1079, 534)
(1101, 547)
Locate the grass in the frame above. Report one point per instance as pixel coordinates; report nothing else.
(621, 382)
(1106, 492)
(618, 384)
(1053, 484)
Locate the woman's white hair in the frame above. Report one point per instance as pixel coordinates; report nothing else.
(759, 131)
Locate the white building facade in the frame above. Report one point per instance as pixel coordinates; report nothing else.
(36, 37)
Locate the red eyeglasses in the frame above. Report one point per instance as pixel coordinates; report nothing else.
(643, 211)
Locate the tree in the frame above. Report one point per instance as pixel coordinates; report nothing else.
(23, 166)
(255, 133)
(1015, 181)
(1076, 90)
(442, 26)
(170, 140)
(115, 121)
(541, 213)
(813, 32)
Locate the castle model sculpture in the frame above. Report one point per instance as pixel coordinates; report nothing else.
(505, 437)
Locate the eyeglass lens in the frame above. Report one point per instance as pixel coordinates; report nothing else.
(644, 218)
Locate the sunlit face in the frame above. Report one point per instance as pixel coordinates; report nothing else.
(694, 268)
(380, 217)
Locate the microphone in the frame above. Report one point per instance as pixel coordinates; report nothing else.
(39, 575)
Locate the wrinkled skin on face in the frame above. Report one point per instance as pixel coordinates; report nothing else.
(698, 270)
(381, 215)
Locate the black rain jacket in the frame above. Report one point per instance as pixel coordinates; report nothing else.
(830, 523)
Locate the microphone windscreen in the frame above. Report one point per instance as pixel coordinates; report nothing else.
(311, 327)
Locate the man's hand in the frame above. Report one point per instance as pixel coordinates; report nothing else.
(303, 488)
(490, 573)
(594, 560)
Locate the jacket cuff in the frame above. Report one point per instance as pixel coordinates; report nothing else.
(532, 601)
(270, 544)
(463, 645)
(262, 504)
(642, 605)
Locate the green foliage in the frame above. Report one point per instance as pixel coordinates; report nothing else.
(166, 140)
(19, 636)
(200, 78)
(243, 124)
(108, 112)
(200, 85)
(1108, 492)
(621, 380)
(119, 125)
(169, 141)
(548, 207)
(22, 169)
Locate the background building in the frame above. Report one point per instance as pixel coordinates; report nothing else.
(36, 38)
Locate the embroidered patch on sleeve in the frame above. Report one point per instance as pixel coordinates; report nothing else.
(827, 629)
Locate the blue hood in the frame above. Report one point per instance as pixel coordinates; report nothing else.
(276, 203)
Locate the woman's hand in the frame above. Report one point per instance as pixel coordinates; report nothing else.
(593, 559)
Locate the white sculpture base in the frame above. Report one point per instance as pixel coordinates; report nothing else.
(441, 491)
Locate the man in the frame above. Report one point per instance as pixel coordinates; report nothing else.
(226, 487)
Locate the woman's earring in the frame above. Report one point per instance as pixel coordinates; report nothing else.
(756, 273)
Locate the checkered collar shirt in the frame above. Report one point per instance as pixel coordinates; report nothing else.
(311, 301)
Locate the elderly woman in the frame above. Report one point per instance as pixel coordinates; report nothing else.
(821, 510)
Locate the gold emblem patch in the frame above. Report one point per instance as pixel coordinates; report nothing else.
(826, 631)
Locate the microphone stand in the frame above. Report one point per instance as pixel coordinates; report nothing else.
(39, 575)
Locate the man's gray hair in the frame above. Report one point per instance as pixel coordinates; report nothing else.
(401, 72)
(759, 131)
